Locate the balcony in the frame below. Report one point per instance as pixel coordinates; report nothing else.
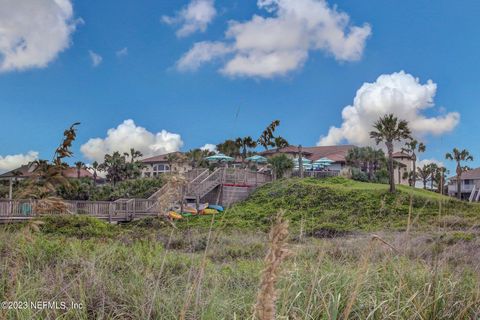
(465, 188)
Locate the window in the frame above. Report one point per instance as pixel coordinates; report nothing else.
(467, 182)
(160, 168)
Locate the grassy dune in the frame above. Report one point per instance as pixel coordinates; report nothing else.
(152, 270)
(340, 204)
(146, 273)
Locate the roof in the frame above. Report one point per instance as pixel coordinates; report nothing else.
(334, 153)
(23, 171)
(401, 154)
(73, 173)
(159, 158)
(27, 170)
(473, 174)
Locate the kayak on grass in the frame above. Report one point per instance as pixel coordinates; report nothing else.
(209, 211)
(216, 207)
(174, 215)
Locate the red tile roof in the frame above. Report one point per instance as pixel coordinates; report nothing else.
(159, 158)
(401, 154)
(473, 174)
(28, 170)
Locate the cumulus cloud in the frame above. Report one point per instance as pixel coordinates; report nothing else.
(423, 162)
(194, 17)
(128, 135)
(33, 32)
(267, 46)
(122, 52)
(399, 93)
(201, 53)
(95, 57)
(11, 162)
(210, 147)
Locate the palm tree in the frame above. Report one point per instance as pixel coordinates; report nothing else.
(267, 137)
(433, 172)
(244, 144)
(134, 154)
(229, 147)
(80, 165)
(389, 129)
(411, 147)
(280, 142)
(280, 164)
(424, 173)
(175, 158)
(115, 167)
(440, 178)
(459, 156)
(95, 169)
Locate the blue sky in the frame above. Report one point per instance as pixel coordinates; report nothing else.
(428, 40)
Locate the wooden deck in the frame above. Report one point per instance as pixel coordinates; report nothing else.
(120, 210)
(200, 182)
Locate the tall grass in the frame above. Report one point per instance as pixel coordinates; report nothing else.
(148, 274)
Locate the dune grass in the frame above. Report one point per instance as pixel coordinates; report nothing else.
(148, 273)
(423, 262)
(341, 205)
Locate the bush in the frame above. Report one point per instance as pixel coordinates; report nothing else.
(359, 175)
(84, 189)
(76, 226)
(137, 188)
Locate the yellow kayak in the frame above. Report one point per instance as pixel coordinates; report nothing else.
(190, 210)
(175, 216)
(210, 211)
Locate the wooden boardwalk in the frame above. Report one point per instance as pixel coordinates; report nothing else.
(120, 210)
(199, 183)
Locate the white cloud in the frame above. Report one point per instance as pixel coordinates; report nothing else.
(210, 147)
(399, 93)
(423, 162)
(194, 17)
(95, 57)
(128, 135)
(280, 42)
(33, 32)
(11, 162)
(122, 52)
(200, 53)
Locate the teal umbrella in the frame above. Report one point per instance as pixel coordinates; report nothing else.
(324, 161)
(219, 157)
(257, 159)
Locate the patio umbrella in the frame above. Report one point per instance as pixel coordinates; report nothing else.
(219, 157)
(324, 161)
(257, 159)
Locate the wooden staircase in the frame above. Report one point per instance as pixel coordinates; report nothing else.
(474, 195)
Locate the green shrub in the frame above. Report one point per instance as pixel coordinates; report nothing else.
(78, 226)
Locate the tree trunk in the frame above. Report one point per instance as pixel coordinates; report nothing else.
(300, 161)
(414, 177)
(424, 184)
(459, 182)
(390, 166)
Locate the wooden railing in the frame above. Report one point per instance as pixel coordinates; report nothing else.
(194, 173)
(199, 188)
(127, 209)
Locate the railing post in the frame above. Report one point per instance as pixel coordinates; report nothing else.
(134, 208)
(110, 212)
